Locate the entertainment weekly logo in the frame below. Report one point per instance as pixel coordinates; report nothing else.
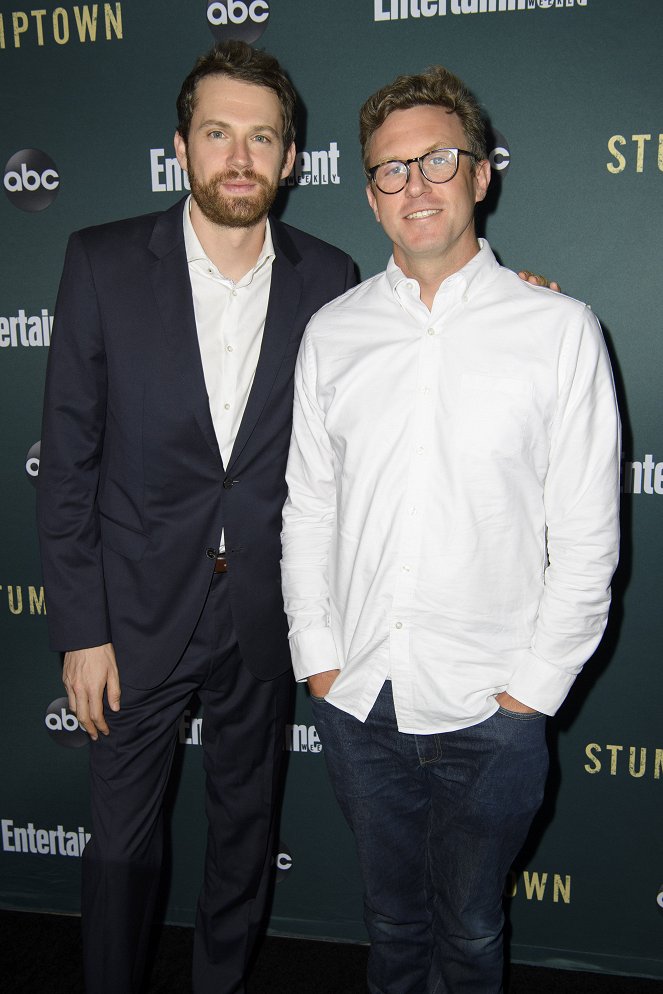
(297, 738)
(26, 331)
(31, 839)
(401, 10)
(642, 476)
(312, 168)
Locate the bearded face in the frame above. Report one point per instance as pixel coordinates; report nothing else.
(233, 211)
(234, 151)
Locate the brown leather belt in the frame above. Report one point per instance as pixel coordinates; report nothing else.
(221, 564)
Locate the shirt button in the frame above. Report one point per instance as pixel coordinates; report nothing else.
(234, 293)
(431, 331)
(226, 407)
(229, 348)
(405, 568)
(399, 624)
(420, 450)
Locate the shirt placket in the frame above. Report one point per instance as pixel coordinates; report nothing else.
(230, 357)
(408, 557)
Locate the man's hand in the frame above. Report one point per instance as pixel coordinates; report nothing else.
(86, 674)
(537, 280)
(320, 684)
(511, 704)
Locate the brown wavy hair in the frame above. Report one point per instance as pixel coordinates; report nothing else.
(436, 86)
(239, 61)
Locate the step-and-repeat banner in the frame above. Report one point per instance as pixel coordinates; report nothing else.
(574, 93)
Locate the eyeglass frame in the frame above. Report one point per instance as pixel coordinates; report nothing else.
(370, 173)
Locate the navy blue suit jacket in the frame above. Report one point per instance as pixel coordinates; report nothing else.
(132, 491)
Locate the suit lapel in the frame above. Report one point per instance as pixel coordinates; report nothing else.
(172, 288)
(284, 295)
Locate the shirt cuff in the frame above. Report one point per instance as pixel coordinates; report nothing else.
(538, 684)
(313, 651)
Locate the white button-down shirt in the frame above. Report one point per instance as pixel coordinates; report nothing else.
(230, 319)
(452, 521)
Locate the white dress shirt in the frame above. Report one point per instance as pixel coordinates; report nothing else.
(452, 520)
(230, 319)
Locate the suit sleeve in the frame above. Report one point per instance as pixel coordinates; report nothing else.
(70, 460)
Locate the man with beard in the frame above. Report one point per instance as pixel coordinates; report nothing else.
(166, 429)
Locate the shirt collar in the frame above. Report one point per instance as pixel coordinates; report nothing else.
(196, 255)
(470, 279)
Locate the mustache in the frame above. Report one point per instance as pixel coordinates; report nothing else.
(229, 175)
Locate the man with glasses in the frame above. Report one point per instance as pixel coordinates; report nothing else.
(449, 540)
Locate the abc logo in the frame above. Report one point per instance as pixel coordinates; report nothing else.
(63, 726)
(32, 463)
(282, 862)
(31, 180)
(659, 897)
(499, 155)
(242, 19)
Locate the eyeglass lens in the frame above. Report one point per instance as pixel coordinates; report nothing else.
(438, 166)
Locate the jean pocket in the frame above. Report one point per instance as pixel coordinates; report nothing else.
(520, 715)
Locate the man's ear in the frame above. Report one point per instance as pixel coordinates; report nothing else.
(180, 150)
(372, 199)
(288, 161)
(481, 180)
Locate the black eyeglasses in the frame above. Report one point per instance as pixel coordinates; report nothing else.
(438, 166)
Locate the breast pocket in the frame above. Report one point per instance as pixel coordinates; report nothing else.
(492, 415)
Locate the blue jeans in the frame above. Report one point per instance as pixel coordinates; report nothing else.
(438, 820)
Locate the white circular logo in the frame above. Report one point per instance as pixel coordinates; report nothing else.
(499, 154)
(31, 180)
(32, 463)
(63, 726)
(244, 20)
(282, 862)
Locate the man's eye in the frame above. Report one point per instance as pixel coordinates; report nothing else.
(216, 134)
(441, 158)
(263, 139)
(393, 168)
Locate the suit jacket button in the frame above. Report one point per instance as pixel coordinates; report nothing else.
(228, 483)
(210, 553)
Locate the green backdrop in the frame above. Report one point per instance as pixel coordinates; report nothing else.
(574, 93)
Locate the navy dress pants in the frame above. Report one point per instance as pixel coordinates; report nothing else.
(243, 733)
